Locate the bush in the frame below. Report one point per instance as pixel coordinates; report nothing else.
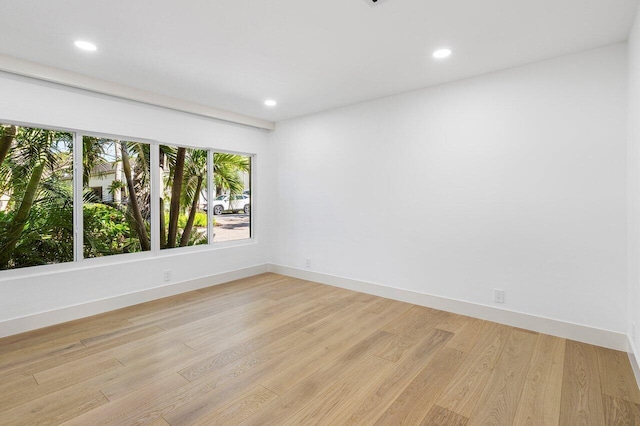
(199, 221)
(46, 238)
(107, 231)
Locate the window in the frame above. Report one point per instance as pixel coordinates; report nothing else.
(36, 186)
(53, 188)
(183, 197)
(97, 192)
(232, 205)
(116, 197)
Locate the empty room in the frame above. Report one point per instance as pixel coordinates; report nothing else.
(346, 212)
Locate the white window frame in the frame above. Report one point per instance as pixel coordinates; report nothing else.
(78, 240)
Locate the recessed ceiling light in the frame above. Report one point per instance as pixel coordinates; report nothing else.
(85, 45)
(270, 103)
(442, 53)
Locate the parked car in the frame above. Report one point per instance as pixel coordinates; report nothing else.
(239, 203)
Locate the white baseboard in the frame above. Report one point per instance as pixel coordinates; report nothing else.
(633, 359)
(582, 333)
(578, 332)
(70, 313)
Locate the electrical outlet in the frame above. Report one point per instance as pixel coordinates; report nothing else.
(498, 295)
(167, 275)
(308, 263)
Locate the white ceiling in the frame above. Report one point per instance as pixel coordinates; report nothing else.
(309, 55)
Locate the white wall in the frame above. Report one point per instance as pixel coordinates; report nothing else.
(35, 290)
(514, 180)
(634, 185)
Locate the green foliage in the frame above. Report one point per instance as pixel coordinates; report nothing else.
(226, 172)
(36, 173)
(199, 221)
(37, 228)
(117, 185)
(107, 231)
(47, 236)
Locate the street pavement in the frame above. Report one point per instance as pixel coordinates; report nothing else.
(231, 227)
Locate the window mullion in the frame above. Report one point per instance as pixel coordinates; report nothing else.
(156, 184)
(210, 196)
(78, 223)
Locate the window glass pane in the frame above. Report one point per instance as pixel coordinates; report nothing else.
(232, 205)
(36, 196)
(183, 218)
(116, 197)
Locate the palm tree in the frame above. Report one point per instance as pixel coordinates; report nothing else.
(33, 162)
(176, 192)
(187, 175)
(94, 153)
(226, 172)
(115, 188)
(141, 228)
(133, 158)
(7, 133)
(194, 176)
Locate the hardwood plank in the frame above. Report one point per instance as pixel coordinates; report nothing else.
(77, 371)
(389, 386)
(247, 346)
(274, 316)
(419, 322)
(215, 299)
(451, 322)
(381, 305)
(466, 338)
(417, 399)
(215, 389)
(59, 378)
(148, 348)
(341, 339)
(499, 400)
(142, 373)
(616, 375)
(415, 317)
(581, 402)
(239, 409)
(621, 412)
(17, 380)
(158, 422)
(300, 394)
(439, 416)
(276, 350)
(21, 362)
(118, 337)
(540, 400)
(355, 313)
(328, 406)
(119, 412)
(54, 408)
(467, 385)
(57, 337)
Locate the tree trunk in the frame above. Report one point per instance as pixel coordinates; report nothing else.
(22, 215)
(133, 201)
(186, 233)
(5, 142)
(163, 231)
(176, 191)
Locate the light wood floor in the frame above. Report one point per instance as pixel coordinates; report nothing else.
(271, 350)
